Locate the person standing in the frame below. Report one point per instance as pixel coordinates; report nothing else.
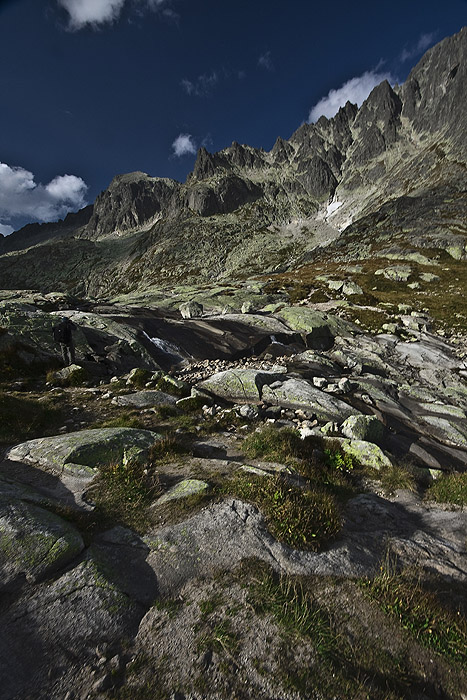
(63, 334)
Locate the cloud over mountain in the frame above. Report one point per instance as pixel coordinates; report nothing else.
(22, 196)
(422, 44)
(355, 90)
(183, 145)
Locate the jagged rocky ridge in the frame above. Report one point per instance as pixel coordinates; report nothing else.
(244, 210)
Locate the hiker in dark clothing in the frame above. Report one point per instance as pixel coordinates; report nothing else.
(63, 334)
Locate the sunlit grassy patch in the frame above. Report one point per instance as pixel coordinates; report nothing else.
(449, 488)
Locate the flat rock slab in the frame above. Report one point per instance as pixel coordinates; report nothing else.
(82, 452)
(145, 399)
(222, 535)
(58, 625)
(33, 542)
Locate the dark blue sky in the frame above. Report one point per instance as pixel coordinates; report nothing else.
(94, 100)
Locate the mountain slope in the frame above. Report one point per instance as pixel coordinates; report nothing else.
(243, 211)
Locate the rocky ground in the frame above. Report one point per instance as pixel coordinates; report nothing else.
(268, 504)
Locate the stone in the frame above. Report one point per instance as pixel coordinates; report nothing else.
(185, 488)
(396, 273)
(366, 453)
(33, 542)
(145, 399)
(367, 428)
(191, 309)
(429, 277)
(247, 307)
(248, 411)
(73, 374)
(138, 375)
(350, 288)
(81, 452)
(335, 285)
(320, 382)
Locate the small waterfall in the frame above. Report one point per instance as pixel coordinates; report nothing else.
(164, 346)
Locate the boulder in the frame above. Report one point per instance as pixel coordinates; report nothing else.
(145, 399)
(317, 325)
(350, 288)
(71, 375)
(366, 453)
(185, 488)
(33, 542)
(191, 309)
(82, 452)
(367, 428)
(277, 389)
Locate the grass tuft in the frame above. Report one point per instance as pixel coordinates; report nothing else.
(449, 488)
(300, 517)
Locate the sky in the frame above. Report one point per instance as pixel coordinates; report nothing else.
(93, 88)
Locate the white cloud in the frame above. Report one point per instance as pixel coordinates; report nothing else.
(183, 145)
(21, 196)
(92, 12)
(202, 85)
(98, 12)
(422, 44)
(355, 90)
(6, 230)
(265, 61)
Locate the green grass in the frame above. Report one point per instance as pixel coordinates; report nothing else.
(419, 613)
(300, 517)
(124, 420)
(344, 665)
(449, 488)
(24, 418)
(123, 492)
(397, 476)
(284, 446)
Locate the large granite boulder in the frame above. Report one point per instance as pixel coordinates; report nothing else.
(82, 452)
(33, 542)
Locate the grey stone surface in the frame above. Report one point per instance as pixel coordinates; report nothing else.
(145, 399)
(83, 451)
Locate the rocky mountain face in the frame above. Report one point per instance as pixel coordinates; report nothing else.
(244, 210)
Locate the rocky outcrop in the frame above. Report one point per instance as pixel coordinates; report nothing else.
(130, 202)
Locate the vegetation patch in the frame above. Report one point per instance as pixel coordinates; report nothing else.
(24, 418)
(300, 517)
(283, 445)
(449, 488)
(124, 420)
(123, 491)
(420, 613)
(397, 476)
